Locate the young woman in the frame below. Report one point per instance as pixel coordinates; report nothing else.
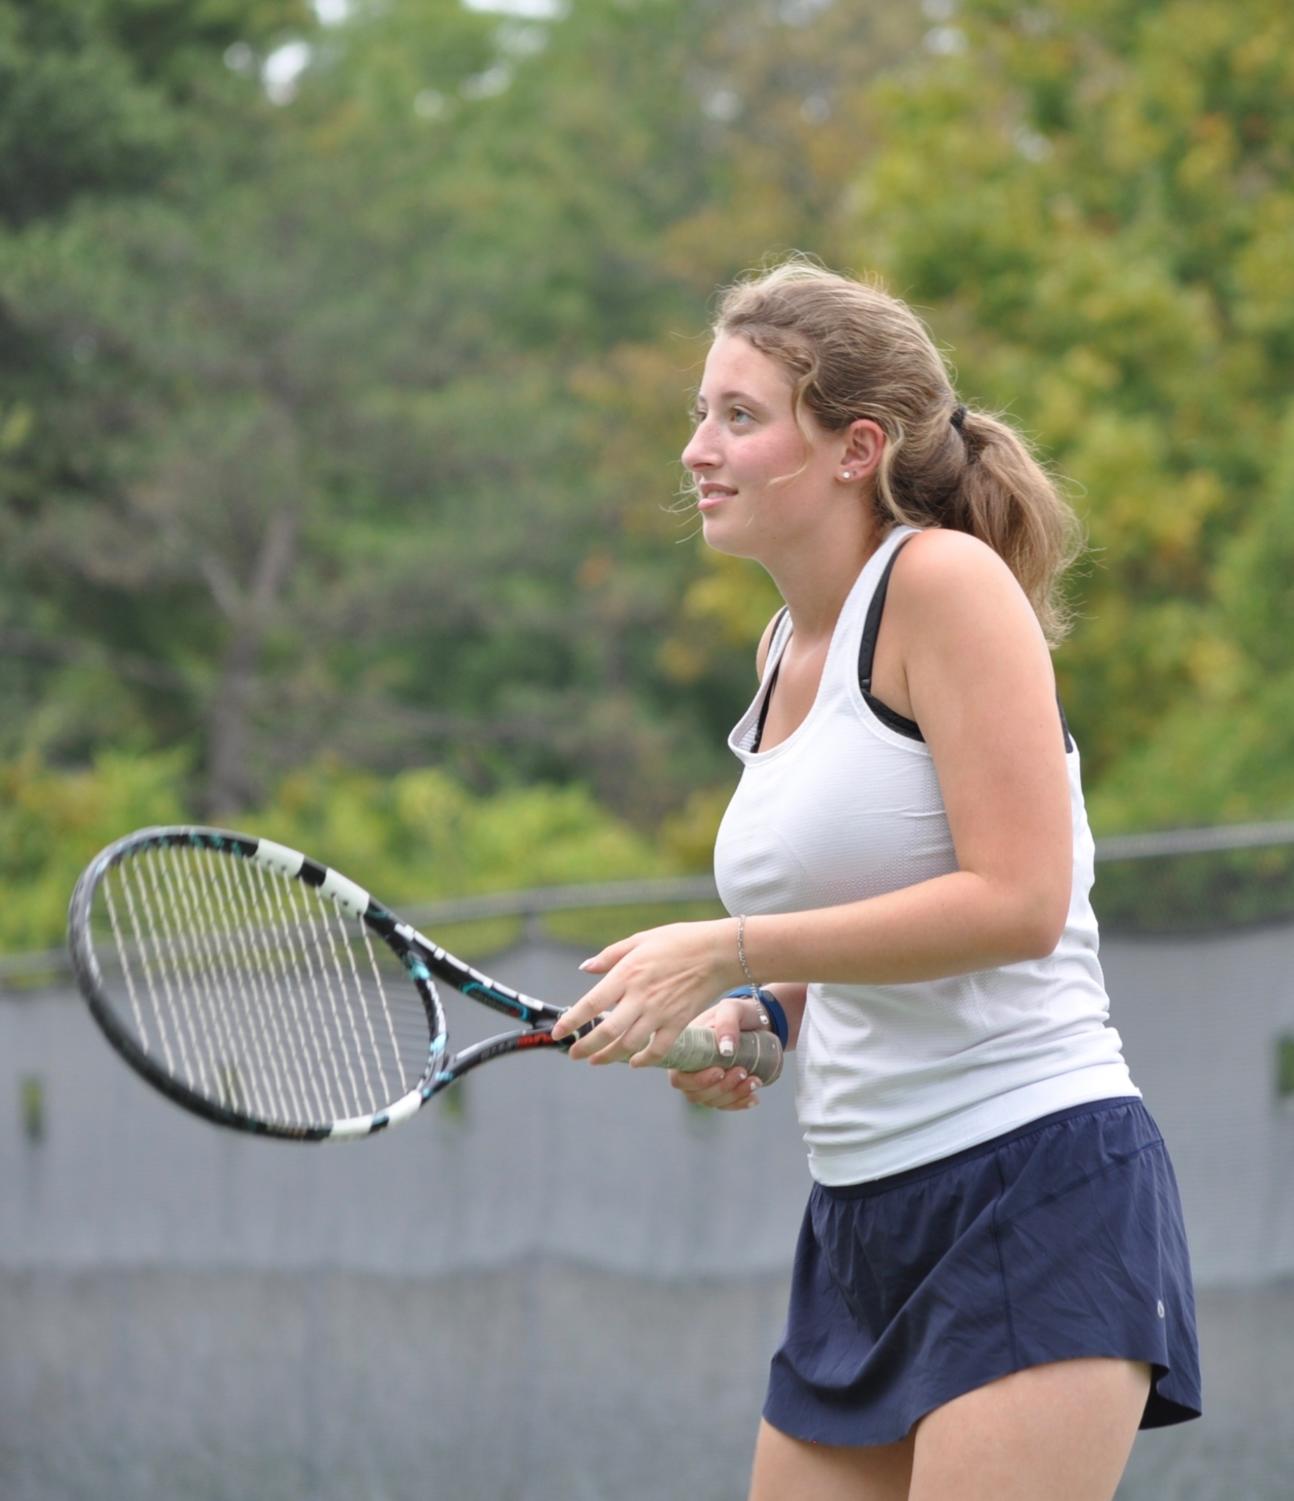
(991, 1291)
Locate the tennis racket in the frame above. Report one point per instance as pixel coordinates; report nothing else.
(270, 994)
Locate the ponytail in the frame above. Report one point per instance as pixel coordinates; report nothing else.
(853, 351)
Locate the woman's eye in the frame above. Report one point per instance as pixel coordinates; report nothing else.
(735, 414)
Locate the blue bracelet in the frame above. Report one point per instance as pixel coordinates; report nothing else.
(770, 1003)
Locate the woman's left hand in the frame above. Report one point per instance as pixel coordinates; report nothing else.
(654, 983)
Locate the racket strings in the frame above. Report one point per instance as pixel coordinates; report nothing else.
(196, 1027)
(284, 1081)
(301, 990)
(225, 1027)
(341, 1000)
(255, 990)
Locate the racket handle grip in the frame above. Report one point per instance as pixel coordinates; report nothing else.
(759, 1053)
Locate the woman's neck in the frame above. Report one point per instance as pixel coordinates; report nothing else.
(816, 586)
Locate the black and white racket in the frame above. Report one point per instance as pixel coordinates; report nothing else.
(269, 993)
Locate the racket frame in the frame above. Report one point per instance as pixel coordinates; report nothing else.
(423, 961)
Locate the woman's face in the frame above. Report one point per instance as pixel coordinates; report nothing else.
(759, 478)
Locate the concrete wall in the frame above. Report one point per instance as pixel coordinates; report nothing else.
(569, 1289)
(568, 1383)
(610, 1166)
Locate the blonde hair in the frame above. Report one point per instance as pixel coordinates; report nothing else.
(852, 350)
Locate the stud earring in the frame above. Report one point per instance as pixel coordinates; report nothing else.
(847, 474)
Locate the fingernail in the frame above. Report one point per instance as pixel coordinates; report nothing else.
(726, 1047)
(586, 964)
(754, 1085)
(741, 1074)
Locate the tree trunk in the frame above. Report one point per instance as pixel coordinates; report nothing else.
(230, 782)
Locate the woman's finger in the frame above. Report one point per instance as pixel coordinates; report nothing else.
(589, 1008)
(717, 1089)
(655, 1048)
(733, 1016)
(606, 1035)
(628, 1040)
(610, 956)
(741, 1099)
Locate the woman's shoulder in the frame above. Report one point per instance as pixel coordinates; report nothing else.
(936, 556)
(949, 575)
(954, 594)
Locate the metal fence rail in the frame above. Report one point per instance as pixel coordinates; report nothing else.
(1237, 836)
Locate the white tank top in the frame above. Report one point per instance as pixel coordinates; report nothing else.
(847, 807)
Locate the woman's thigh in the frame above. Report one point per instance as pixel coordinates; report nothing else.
(790, 1469)
(1063, 1431)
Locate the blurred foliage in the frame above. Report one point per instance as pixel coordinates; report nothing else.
(591, 927)
(341, 410)
(52, 822)
(433, 838)
(416, 837)
(420, 836)
(1110, 260)
(361, 430)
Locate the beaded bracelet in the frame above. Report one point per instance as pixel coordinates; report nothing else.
(741, 953)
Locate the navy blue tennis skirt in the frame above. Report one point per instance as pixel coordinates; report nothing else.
(1059, 1240)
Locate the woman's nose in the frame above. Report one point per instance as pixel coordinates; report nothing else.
(697, 451)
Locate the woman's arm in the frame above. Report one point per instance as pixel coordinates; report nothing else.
(980, 682)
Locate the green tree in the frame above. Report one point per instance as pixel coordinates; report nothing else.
(1091, 203)
(104, 108)
(379, 431)
(353, 420)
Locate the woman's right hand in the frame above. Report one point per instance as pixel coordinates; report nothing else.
(724, 1088)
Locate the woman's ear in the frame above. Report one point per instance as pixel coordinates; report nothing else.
(864, 447)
